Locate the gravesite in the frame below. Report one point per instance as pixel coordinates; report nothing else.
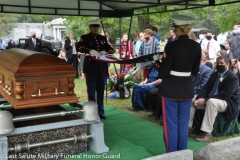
(119, 79)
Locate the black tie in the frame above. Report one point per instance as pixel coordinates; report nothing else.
(215, 87)
(200, 42)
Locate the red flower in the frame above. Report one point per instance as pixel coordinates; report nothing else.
(113, 88)
(119, 75)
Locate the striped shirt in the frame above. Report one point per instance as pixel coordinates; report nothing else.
(149, 48)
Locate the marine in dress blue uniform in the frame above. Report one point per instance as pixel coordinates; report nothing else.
(181, 59)
(96, 72)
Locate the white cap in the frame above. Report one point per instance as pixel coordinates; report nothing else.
(94, 23)
(181, 20)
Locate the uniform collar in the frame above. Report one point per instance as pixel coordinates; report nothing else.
(183, 37)
(95, 35)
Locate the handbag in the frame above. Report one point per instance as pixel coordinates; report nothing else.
(147, 65)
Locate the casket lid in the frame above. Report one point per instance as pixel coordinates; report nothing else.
(20, 61)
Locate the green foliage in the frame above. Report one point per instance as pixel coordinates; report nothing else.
(76, 24)
(27, 18)
(5, 24)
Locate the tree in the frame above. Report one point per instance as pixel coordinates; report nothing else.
(5, 24)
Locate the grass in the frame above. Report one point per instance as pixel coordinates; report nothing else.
(124, 104)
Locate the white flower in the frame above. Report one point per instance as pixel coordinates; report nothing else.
(222, 78)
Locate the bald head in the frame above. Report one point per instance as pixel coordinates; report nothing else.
(33, 34)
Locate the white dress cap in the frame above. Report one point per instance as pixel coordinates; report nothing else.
(181, 20)
(95, 22)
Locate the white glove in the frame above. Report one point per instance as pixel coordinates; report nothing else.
(94, 53)
(103, 52)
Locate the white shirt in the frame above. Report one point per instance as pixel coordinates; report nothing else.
(34, 42)
(204, 43)
(214, 47)
(74, 48)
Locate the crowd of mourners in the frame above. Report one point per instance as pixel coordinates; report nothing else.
(212, 94)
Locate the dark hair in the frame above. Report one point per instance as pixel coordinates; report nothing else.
(209, 64)
(210, 31)
(202, 32)
(229, 41)
(225, 58)
(238, 23)
(223, 53)
(154, 29)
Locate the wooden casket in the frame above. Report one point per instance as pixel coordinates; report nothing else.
(32, 79)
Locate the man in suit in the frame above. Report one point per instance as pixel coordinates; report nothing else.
(181, 59)
(220, 94)
(33, 43)
(202, 77)
(173, 35)
(199, 82)
(11, 44)
(71, 52)
(95, 72)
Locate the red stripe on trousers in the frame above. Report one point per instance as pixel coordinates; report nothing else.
(165, 123)
(87, 87)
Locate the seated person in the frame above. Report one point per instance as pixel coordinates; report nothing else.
(154, 103)
(209, 64)
(199, 82)
(139, 90)
(202, 77)
(235, 66)
(220, 94)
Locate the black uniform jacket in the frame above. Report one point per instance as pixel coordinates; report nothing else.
(96, 42)
(181, 55)
(227, 91)
(30, 46)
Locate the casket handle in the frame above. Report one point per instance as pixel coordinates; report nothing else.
(39, 92)
(47, 94)
(56, 92)
(5, 88)
(9, 93)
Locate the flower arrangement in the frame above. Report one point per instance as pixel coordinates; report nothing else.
(126, 79)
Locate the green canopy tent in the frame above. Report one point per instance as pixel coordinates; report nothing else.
(102, 8)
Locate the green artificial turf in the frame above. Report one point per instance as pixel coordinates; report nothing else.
(131, 137)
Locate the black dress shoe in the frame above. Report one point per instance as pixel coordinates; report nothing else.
(138, 109)
(102, 117)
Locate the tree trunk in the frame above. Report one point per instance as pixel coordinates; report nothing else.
(143, 22)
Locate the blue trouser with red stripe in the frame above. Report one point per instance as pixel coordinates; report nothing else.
(96, 84)
(176, 116)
